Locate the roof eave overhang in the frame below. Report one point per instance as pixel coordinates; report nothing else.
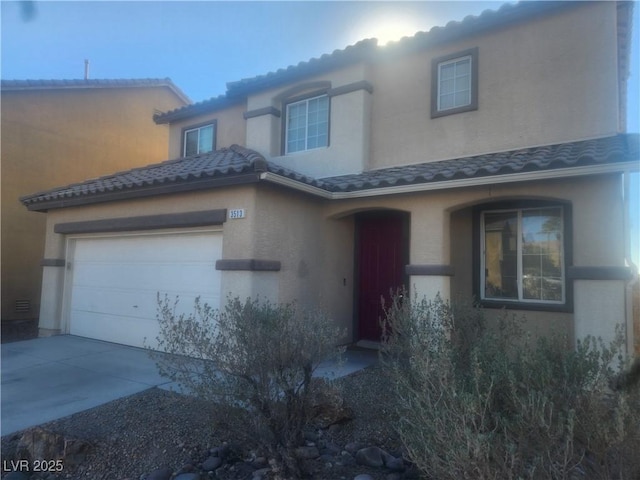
(196, 109)
(95, 85)
(150, 191)
(619, 167)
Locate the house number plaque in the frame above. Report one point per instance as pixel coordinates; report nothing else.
(236, 213)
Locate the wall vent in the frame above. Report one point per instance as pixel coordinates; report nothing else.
(23, 306)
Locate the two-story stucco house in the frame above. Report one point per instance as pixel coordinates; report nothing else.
(61, 131)
(486, 158)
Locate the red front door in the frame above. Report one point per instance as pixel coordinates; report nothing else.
(381, 259)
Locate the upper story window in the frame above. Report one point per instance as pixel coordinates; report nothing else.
(454, 83)
(307, 124)
(522, 255)
(201, 139)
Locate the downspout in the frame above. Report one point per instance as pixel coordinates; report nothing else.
(630, 284)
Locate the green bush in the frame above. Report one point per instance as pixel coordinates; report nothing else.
(487, 402)
(251, 355)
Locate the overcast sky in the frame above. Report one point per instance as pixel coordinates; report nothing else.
(202, 45)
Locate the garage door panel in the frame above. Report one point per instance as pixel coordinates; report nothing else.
(131, 304)
(147, 277)
(118, 329)
(116, 281)
(198, 247)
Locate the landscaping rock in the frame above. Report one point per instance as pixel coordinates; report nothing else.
(330, 449)
(363, 476)
(38, 443)
(261, 473)
(160, 474)
(346, 459)
(16, 476)
(211, 463)
(307, 453)
(370, 457)
(353, 447)
(328, 405)
(187, 476)
(392, 463)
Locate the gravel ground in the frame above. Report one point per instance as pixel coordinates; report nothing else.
(133, 436)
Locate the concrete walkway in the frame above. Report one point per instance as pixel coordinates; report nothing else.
(49, 378)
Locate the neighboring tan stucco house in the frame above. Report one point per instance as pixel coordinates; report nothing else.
(484, 158)
(61, 131)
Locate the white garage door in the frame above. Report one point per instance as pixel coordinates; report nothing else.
(115, 282)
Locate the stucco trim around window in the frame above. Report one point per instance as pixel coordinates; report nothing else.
(566, 304)
(436, 64)
(307, 99)
(259, 112)
(600, 273)
(146, 222)
(351, 87)
(198, 127)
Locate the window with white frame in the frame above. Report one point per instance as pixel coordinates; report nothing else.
(307, 124)
(455, 83)
(200, 139)
(522, 255)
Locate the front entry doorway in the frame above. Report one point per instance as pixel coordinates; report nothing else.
(382, 248)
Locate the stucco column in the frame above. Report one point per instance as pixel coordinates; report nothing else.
(596, 303)
(53, 276)
(51, 297)
(429, 268)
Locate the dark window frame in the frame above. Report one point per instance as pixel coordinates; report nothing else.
(567, 245)
(435, 83)
(183, 144)
(285, 115)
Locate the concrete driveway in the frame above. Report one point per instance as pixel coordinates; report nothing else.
(49, 378)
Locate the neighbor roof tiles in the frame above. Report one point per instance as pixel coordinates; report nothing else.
(21, 85)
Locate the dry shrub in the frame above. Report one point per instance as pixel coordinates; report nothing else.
(254, 356)
(479, 403)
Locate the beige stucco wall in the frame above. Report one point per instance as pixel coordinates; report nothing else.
(316, 252)
(348, 149)
(441, 234)
(597, 240)
(230, 128)
(350, 117)
(546, 81)
(238, 240)
(313, 239)
(56, 137)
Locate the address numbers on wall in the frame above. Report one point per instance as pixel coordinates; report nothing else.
(236, 213)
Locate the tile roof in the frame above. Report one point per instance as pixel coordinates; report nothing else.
(362, 50)
(240, 165)
(179, 174)
(21, 85)
(609, 150)
(368, 50)
(188, 111)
